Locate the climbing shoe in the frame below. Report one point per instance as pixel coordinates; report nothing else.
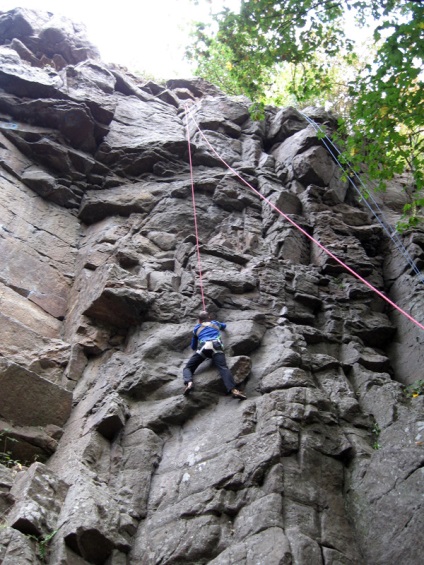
(188, 388)
(238, 394)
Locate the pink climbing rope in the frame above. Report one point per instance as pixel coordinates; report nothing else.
(293, 223)
(199, 265)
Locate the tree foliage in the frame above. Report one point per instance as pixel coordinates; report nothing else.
(386, 122)
(275, 51)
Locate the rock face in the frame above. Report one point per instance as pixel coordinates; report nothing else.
(104, 461)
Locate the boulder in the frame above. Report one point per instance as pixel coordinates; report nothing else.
(284, 124)
(43, 32)
(31, 400)
(39, 496)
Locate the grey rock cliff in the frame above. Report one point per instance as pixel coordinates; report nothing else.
(104, 460)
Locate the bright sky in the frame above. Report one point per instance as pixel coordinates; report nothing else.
(143, 35)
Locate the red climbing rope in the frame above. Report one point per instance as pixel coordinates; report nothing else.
(199, 265)
(351, 271)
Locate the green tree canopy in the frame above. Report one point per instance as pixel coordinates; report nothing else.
(303, 44)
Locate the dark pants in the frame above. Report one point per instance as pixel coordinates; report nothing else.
(218, 359)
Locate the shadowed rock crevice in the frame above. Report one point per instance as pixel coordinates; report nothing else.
(99, 292)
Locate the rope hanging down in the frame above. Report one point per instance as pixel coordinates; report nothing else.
(199, 265)
(293, 223)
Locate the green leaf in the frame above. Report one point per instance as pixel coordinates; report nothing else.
(296, 53)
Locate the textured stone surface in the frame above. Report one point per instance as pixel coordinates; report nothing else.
(25, 390)
(99, 291)
(39, 497)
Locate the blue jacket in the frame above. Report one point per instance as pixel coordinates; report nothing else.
(208, 333)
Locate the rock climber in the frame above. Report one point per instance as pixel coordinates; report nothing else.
(207, 344)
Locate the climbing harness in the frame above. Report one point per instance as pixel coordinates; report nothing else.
(206, 325)
(210, 348)
(285, 216)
